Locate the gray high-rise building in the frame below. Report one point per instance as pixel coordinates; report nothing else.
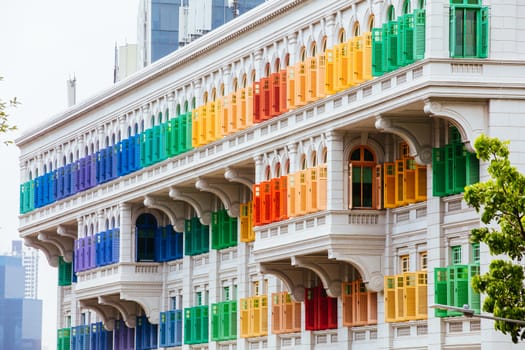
(29, 258)
(20, 318)
(166, 25)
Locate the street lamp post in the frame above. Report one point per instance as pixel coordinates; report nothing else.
(468, 312)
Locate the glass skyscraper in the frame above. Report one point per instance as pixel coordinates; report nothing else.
(20, 318)
(166, 25)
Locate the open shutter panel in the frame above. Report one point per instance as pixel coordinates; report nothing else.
(277, 311)
(421, 183)
(460, 168)
(367, 56)
(419, 34)
(378, 187)
(483, 33)
(392, 43)
(452, 32)
(440, 289)
(438, 172)
(472, 169)
(409, 190)
(385, 37)
(401, 40)
(377, 52)
(421, 295)
(350, 200)
(474, 301)
(408, 42)
(322, 189)
(400, 298)
(390, 298)
(400, 182)
(348, 304)
(356, 45)
(409, 295)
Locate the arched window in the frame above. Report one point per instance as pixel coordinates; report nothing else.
(152, 121)
(323, 44)
(160, 118)
(213, 94)
(422, 4)
(278, 170)
(287, 60)
(30, 175)
(253, 75)
(391, 13)
(371, 23)
(267, 173)
(267, 70)
(313, 49)
(357, 30)
(406, 7)
(45, 169)
(277, 64)
(244, 81)
(303, 164)
(302, 54)
(177, 109)
(314, 159)
(287, 166)
(129, 131)
(234, 85)
(341, 37)
(363, 187)
(221, 89)
(146, 225)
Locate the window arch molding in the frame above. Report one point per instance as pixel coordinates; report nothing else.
(371, 144)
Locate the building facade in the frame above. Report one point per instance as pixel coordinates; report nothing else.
(21, 318)
(293, 181)
(29, 258)
(166, 25)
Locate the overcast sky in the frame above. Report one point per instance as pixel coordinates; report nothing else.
(42, 44)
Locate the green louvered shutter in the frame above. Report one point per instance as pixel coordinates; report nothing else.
(438, 172)
(384, 52)
(483, 32)
(392, 42)
(474, 301)
(401, 38)
(408, 41)
(440, 289)
(472, 168)
(377, 52)
(419, 34)
(452, 32)
(460, 168)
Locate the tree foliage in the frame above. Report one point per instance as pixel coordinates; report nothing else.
(501, 201)
(5, 123)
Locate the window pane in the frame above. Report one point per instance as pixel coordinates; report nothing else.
(356, 155)
(368, 155)
(459, 32)
(470, 32)
(367, 187)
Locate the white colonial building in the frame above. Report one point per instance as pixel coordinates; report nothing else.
(292, 179)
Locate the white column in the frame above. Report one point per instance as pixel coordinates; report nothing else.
(127, 234)
(335, 170)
